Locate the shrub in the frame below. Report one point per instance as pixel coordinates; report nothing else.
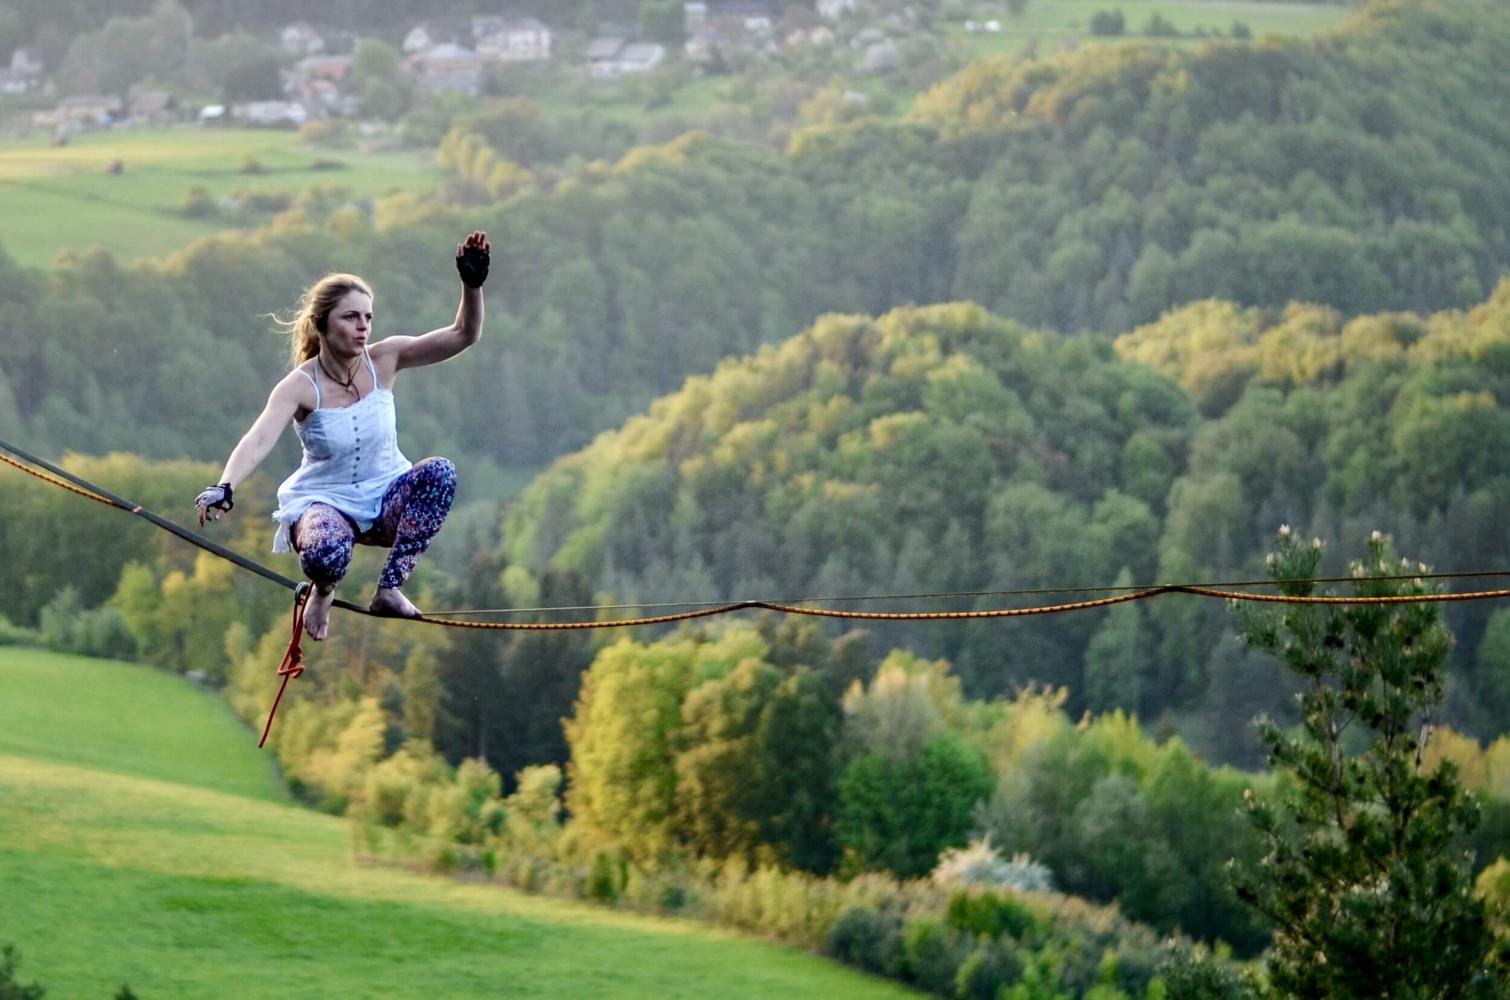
(1159, 26)
(978, 863)
(990, 914)
(987, 970)
(934, 953)
(197, 203)
(605, 880)
(66, 627)
(323, 132)
(10, 987)
(1108, 24)
(868, 939)
(12, 634)
(250, 165)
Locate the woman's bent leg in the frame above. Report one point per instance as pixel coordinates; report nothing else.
(324, 538)
(414, 508)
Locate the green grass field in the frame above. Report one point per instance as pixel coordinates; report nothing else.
(144, 840)
(1054, 23)
(55, 198)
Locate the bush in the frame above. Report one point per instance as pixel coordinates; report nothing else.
(12, 634)
(978, 863)
(1196, 974)
(197, 203)
(263, 202)
(323, 132)
(10, 988)
(867, 939)
(1108, 24)
(934, 954)
(987, 970)
(250, 165)
(990, 914)
(1241, 31)
(605, 880)
(1159, 26)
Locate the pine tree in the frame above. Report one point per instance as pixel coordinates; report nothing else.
(1367, 894)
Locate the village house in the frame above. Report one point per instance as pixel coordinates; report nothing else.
(601, 56)
(524, 40)
(611, 57)
(24, 73)
(417, 40)
(300, 39)
(447, 67)
(152, 107)
(834, 9)
(81, 111)
(725, 26)
(270, 114)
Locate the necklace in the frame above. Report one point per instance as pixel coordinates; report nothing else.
(349, 383)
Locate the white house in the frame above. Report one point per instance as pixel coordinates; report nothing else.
(418, 40)
(601, 56)
(640, 57)
(524, 40)
(270, 113)
(300, 39)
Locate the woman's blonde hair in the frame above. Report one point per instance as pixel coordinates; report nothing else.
(314, 308)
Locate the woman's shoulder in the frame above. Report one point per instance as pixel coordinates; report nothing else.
(297, 387)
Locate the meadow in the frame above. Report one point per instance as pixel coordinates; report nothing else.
(56, 198)
(1055, 24)
(146, 841)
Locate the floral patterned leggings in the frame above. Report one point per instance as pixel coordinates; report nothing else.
(414, 508)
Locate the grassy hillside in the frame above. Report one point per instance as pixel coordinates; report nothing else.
(188, 880)
(62, 198)
(1057, 22)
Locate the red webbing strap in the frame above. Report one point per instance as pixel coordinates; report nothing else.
(293, 658)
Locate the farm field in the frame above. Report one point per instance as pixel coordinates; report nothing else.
(1055, 23)
(56, 198)
(144, 841)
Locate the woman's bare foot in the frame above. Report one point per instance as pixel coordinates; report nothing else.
(317, 612)
(390, 602)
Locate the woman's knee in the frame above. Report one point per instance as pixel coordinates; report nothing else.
(326, 560)
(437, 471)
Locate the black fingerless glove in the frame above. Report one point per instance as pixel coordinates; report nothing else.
(472, 265)
(216, 497)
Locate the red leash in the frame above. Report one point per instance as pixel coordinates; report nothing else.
(293, 659)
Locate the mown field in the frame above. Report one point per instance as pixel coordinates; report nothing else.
(55, 198)
(1054, 23)
(145, 841)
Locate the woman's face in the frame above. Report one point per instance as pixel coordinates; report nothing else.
(349, 324)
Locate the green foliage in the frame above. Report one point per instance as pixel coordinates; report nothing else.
(377, 73)
(754, 766)
(1359, 877)
(1115, 815)
(10, 987)
(1108, 23)
(899, 815)
(64, 625)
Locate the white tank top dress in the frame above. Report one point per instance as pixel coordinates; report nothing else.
(351, 457)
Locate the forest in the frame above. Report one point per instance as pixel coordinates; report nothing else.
(1110, 318)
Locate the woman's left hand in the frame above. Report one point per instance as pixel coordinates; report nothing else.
(472, 258)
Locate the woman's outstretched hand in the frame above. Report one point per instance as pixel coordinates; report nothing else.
(472, 257)
(215, 498)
